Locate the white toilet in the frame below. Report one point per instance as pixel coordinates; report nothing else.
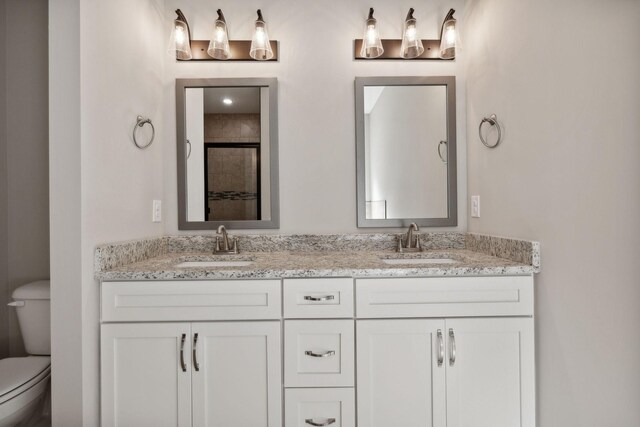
(24, 381)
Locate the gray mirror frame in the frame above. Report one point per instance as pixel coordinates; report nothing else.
(452, 186)
(181, 86)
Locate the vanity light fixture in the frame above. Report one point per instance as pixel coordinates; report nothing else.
(219, 43)
(180, 38)
(260, 44)
(219, 47)
(410, 46)
(371, 44)
(227, 101)
(448, 37)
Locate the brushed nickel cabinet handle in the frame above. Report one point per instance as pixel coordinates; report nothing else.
(440, 348)
(324, 298)
(182, 364)
(325, 354)
(196, 365)
(452, 348)
(326, 423)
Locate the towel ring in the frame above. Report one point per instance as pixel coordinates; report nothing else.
(140, 122)
(493, 121)
(444, 160)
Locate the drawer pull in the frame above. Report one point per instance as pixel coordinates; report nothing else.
(326, 423)
(440, 348)
(196, 365)
(324, 298)
(182, 364)
(452, 348)
(325, 354)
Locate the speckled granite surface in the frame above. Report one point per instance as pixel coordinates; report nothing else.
(113, 255)
(356, 255)
(516, 250)
(316, 242)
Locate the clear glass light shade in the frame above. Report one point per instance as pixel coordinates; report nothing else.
(411, 46)
(371, 44)
(219, 43)
(179, 43)
(449, 41)
(260, 44)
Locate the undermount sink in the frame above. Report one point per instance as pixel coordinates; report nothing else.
(191, 264)
(419, 261)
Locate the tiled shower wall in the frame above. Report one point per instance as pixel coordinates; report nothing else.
(232, 174)
(232, 128)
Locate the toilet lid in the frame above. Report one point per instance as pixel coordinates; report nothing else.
(17, 371)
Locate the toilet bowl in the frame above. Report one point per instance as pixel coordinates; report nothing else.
(23, 386)
(24, 381)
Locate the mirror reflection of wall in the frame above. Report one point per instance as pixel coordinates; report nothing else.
(228, 133)
(406, 151)
(405, 177)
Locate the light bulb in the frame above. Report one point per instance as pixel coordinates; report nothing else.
(371, 34)
(180, 36)
(410, 34)
(227, 101)
(259, 36)
(220, 34)
(450, 34)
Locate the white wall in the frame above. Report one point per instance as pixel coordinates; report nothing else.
(25, 173)
(65, 212)
(564, 81)
(316, 73)
(107, 64)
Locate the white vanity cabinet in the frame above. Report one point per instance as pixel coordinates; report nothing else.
(191, 373)
(472, 370)
(344, 352)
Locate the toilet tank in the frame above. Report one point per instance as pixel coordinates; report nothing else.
(33, 306)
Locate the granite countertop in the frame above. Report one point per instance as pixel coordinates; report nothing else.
(319, 263)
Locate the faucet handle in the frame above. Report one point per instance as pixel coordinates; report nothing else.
(418, 241)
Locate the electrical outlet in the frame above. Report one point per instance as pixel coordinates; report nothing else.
(475, 206)
(157, 211)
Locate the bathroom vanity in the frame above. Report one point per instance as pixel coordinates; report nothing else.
(290, 333)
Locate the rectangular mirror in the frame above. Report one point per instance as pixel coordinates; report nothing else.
(406, 151)
(227, 134)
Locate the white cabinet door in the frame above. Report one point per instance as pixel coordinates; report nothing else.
(400, 382)
(145, 381)
(237, 375)
(491, 378)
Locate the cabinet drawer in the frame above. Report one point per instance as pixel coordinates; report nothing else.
(444, 297)
(312, 298)
(318, 353)
(333, 407)
(191, 300)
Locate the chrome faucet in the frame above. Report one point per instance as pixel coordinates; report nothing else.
(225, 248)
(408, 244)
